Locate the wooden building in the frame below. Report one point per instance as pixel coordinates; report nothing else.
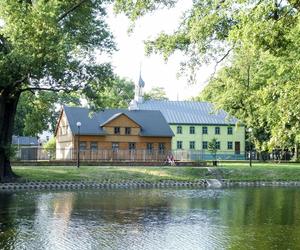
(112, 134)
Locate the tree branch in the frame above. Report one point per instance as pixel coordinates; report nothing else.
(221, 60)
(73, 8)
(223, 57)
(45, 89)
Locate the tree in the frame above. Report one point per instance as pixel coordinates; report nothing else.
(255, 48)
(156, 93)
(213, 147)
(48, 45)
(50, 147)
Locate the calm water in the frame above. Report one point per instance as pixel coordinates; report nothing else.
(245, 218)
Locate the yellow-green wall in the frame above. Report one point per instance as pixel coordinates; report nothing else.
(237, 135)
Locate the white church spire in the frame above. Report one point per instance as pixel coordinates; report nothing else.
(139, 92)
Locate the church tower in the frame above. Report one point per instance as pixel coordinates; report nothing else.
(138, 95)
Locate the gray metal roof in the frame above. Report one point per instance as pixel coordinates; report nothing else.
(189, 112)
(152, 122)
(24, 140)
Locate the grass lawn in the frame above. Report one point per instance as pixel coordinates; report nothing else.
(230, 171)
(113, 174)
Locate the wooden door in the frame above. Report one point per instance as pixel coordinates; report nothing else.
(237, 147)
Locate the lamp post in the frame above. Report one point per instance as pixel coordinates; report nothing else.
(78, 124)
(249, 130)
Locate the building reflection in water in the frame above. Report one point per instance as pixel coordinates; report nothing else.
(151, 219)
(52, 219)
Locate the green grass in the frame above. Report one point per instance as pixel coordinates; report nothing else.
(230, 171)
(113, 174)
(260, 171)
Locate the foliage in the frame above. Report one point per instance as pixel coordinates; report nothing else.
(118, 95)
(212, 147)
(156, 93)
(50, 145)
(255, 48)
(52, 44)
(37, 112)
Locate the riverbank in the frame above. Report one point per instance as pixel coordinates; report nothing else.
(201, 183)
(225, 171)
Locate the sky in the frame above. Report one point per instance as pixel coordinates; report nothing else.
(155, 71)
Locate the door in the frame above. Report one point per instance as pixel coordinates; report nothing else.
(237, 147)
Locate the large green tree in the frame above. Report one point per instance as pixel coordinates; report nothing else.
(254, 46)
(48, 45)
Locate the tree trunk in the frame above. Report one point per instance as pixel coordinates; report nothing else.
(8, 106)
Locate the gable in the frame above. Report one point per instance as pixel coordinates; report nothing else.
(121, 120)
(61, 119)
(62, 123)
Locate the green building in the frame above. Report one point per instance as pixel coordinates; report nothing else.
(195, 124)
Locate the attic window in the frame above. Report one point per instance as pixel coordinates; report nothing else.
(127, 131)
(117, 130)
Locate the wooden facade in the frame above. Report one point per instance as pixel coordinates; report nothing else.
(121, 141)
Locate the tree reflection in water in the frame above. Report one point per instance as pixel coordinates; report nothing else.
(260, 218)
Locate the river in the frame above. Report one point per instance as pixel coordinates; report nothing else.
(232, 218)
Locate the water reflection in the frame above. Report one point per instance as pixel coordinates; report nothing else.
(258, 218)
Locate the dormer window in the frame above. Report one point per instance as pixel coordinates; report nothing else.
(127, 131)
(117, 130)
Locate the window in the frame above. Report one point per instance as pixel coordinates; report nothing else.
(229, 130)
(161, 148)
(131, 146)
(82, 145)
(149, 147)
(115, 146)
(229, 145)
(94, 146)
(218, 145)
(204, 145)
(117, 130)
(217, 130)
(192, 130)
(192, 145)
(204, 130)
(179, 144)
(179, 130)
(127, 131)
